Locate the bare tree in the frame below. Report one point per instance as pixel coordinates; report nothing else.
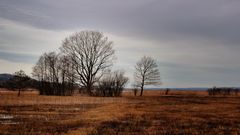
(38, 69)
(146, 73)
(55, 75)
(67, 74)
(20, 80)
(91, 53)
(51, 60)
(39, 73)
(120, 82)
(167, 91)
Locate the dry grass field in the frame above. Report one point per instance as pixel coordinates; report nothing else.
(180, 112)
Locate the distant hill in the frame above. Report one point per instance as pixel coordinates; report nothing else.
(8, 81)
(5, 77)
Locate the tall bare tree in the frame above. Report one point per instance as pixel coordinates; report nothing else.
(91, 53)
(146, 73)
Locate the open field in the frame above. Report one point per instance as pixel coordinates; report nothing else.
(180, 112)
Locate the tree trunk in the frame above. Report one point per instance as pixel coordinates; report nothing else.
(142, 88)
(89, 89)
(143, 79)
(19, 90)
(141, 91)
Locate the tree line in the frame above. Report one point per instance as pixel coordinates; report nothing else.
(55, 74)
(84, 62)
(223, 91)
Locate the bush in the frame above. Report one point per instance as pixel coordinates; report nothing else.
(223, 91)
(112, 84)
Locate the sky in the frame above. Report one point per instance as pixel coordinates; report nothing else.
(196, 42)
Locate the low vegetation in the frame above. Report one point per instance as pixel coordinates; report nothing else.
(112, 84)
(178, 112)
(223, 91)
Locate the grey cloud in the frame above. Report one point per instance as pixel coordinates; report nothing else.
(19, 58)
(165, 20)
(192, 76)
(199, 39)
(22, 39)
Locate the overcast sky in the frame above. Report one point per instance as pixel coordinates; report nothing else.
(196, 42)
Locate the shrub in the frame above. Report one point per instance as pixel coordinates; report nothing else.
(112, 84)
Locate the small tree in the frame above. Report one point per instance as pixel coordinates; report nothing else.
(146, 73)
(135, 90)
(20, 80)
(167, 91)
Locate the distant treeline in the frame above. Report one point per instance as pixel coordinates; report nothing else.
(14, 83)
(110, 85)
(44, 88)
(223, 91)
(18, 81)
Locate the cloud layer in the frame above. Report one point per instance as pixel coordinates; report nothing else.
(195, 42)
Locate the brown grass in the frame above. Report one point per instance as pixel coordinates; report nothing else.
(180, 112)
